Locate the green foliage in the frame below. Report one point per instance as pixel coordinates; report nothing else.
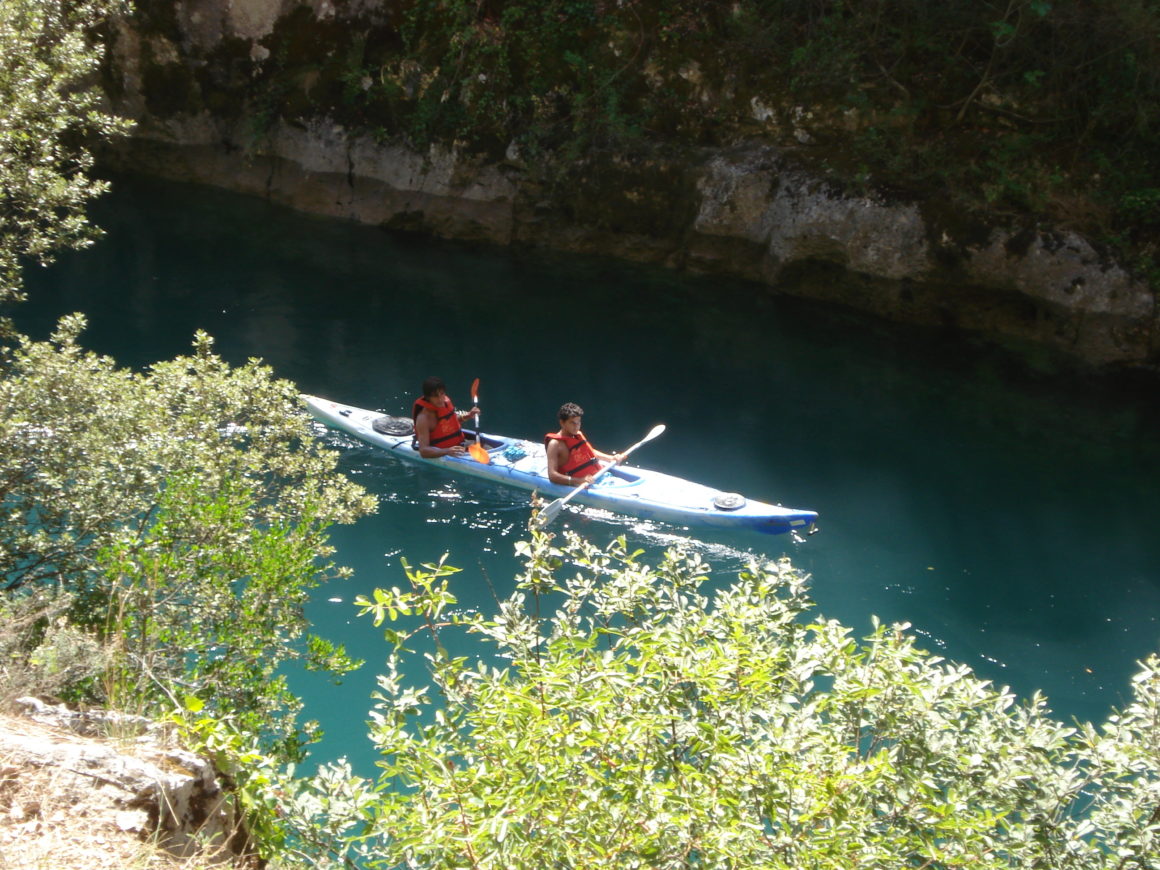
(646, 723)
(291, 822)
(185, 511)
(211, 601)
(998, 107)
(42, 652)
(49, 112)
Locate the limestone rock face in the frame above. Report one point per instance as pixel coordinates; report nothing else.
(746, 211)
(794, 217)
(1046, 287)
(1093, 308)
(208, 22)
(321, 168)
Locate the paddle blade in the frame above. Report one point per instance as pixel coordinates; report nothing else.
(478, 453)
(475, 392)
(655, 432)
(550, 513)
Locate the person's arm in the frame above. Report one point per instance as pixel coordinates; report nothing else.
(464, 416)
(557, 453)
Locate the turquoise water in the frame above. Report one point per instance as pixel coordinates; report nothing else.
(1008, 515)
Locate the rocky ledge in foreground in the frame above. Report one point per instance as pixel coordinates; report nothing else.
(71, 795)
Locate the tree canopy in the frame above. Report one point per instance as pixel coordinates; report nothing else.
(50, 112)
(648, 723)
(181, 512)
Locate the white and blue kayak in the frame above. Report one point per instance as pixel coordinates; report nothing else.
(624, 489)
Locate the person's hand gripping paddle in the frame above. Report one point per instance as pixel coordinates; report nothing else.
(477, 450)
(552, 511)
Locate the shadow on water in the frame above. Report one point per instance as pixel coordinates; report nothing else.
(1007, 512)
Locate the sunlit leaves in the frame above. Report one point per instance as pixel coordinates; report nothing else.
(50, 113)
(646, 723)
(185, 506)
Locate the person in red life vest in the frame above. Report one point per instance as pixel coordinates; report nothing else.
(437, 430)
(571, 459)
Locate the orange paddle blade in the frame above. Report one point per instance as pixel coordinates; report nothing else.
(476, 450)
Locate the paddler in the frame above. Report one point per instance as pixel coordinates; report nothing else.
(571, 458)
(437, 429)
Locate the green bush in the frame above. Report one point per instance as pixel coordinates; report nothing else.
(49, 115)
(648, 723)
(185, 512)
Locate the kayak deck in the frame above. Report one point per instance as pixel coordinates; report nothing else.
(626, 489)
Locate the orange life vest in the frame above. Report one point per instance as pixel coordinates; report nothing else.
(581, 462)
(447, 432)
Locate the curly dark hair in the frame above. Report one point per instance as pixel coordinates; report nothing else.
(433, 385)
(569, 410)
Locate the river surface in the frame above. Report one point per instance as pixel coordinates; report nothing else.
(1009, 513)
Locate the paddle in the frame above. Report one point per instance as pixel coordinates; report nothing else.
(553, 510)
(477, 450)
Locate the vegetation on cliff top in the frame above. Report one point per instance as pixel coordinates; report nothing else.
(1024, 108)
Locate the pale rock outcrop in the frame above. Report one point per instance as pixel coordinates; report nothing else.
(794, 217)
(253, 19)
(1050, 288)
(143, 785)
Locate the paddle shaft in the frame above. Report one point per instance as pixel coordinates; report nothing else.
(477, 450)
(475, 402)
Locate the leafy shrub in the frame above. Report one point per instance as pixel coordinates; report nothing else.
(184, 510)
(645, 723)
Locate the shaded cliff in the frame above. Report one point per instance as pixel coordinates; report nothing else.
(307, 103)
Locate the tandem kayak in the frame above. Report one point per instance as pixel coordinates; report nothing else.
(625, 489)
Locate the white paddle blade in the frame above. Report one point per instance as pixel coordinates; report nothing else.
(549, 513)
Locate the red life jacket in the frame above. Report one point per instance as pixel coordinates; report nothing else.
(581, 462)
(447, 432)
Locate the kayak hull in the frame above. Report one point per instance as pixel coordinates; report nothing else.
(627, 489)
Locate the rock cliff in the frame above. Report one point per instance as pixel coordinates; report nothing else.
(755, 210)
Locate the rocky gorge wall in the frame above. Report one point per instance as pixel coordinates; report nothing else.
(752, 211)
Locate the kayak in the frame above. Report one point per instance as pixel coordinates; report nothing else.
(624, 489)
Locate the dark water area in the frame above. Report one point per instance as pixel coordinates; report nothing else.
(1008, 512)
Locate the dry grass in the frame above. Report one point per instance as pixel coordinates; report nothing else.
(48, 823)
